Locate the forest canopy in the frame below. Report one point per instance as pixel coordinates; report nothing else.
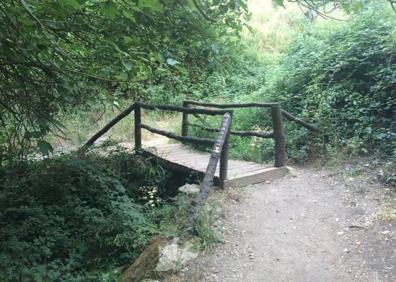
(56, 55)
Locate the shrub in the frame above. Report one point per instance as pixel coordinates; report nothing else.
(71, 219)
(345, 79)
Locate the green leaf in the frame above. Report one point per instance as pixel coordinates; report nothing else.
(153, 5)
(128, 65)
(44, 147)
(71, 3)
(172, 62)
(278, 2)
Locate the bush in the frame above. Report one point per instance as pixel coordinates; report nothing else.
(340, 76)
(345, 80)
(71, 219)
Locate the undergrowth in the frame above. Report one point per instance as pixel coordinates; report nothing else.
(339, 77)
(81, 219)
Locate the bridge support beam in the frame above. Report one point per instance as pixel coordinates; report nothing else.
(279, 136)
(138, 128)
(224, 155)
(184, 129)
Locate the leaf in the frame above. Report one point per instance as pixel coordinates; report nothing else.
(278, 2)
(44, 147)
(172, 62)
(128, 65)
(153, 5)
(34, 134)
(71, 3)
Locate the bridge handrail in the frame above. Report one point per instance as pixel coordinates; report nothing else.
(286, 114)
(106, 128)
(230, 106)
(299, 121)
(205, 141)
(238, 133)
(181, 109)
(277, 120)
(136, 108)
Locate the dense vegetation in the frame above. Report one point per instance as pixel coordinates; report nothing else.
(68, 66)
(344, 80)
(71, 52)
(340, 77)
(73, 219)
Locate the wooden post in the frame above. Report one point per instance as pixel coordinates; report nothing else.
(224, 156)
(279, 136)
(138, 129)
(184, 130)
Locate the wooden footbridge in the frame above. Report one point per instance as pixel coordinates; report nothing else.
(179, 156)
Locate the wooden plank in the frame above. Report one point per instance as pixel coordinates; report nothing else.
(166, 146)
(180, 151)
(245, 169)
(180, 154)
(257, 176)
(240, 172)
(239, 164)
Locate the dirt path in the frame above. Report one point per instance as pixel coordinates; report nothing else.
(306, 227)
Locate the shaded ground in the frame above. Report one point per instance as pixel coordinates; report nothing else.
(308, 227)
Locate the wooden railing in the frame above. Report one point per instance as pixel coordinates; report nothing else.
(223, 150)
(277, 124)
(220, 144)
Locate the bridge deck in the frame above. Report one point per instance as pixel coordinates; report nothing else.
(240, 173)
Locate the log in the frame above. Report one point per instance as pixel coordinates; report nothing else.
(106, 128)
(230, 106)
(308, 126)
(145, 263)
(168, 134)
(238, 133)
(207, 182)
(182, 110)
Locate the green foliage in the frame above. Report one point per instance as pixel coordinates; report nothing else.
(324, 7)
(340, 76)
(70, 219)
(345, 81)
(56, 55)
(205, 226)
